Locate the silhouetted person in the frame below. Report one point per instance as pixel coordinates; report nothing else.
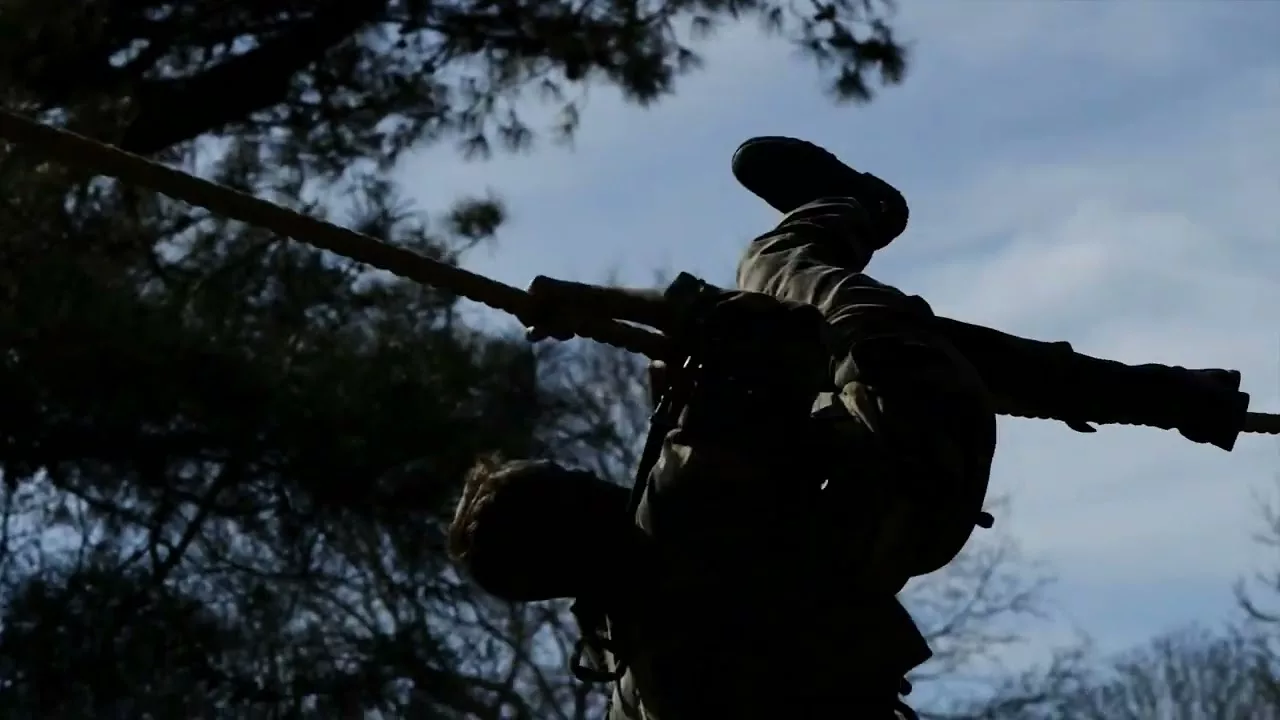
(833, 447)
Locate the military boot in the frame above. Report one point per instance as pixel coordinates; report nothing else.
(787, 173)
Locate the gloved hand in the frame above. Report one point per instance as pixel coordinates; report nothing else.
(751, 337)
(1214, 409)
(761, 360)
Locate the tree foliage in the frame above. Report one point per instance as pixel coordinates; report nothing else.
(1192, 674)
(226, 459)
(324, 84)
(1258, 600)
(198, 427)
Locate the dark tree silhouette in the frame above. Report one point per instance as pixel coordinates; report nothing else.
(326, 83)
(226, 458)
(1191, 674)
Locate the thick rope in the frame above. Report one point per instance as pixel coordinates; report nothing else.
(100, 159)
(1255, 423)
(1260, 423)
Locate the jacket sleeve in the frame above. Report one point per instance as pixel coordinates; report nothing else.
(814, 257)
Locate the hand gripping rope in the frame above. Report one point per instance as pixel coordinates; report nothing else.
(100, 159)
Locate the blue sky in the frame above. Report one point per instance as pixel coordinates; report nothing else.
(1103, 173)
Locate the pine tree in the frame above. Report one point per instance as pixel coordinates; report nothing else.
(201, 425)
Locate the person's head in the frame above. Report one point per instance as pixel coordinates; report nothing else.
(528, 530)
